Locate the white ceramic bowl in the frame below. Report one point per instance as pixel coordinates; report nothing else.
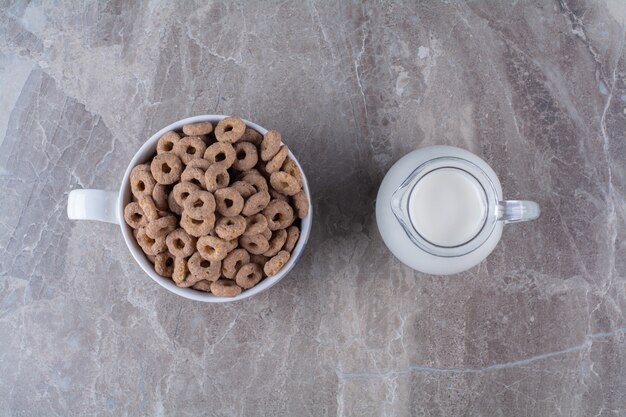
(109, 206)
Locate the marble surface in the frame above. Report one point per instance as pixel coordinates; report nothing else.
(538, 89)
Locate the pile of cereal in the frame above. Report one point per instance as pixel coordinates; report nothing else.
(215, 210)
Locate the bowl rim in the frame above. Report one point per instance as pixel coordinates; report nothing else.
(144, 153)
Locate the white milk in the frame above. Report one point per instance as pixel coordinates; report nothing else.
(447, 207)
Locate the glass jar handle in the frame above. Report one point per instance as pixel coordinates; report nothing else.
(515, 211)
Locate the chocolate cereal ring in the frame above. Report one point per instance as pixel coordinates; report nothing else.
(182, 190)
(221, 153)
(229, 228)
(149, 208)
(194, 176)
(284, 183)
(149, 245)
(197, 227)
(293, 234)
(249, 275)
(277, 160)
(270, 145)
(134, 216)
(245, 189)
(164, 264)
(276, 242)
(277, 196)
(180, 244)
(200, 204)
(230, 130)
(276, 263)
(225, 288)
(202, 269)
(173, 205)
(256, 203)
(291, 168)
(180, 273)
(202, 285)
(228, 202)
(252, 136)
(279, 215)
(256, 180)
(255, 224)
(141, 181)
(233, 261)
(161, 227)
(301, 204)
(212, 248)
(166, 168)
(216, 177)
(267, 233)
(159, 195)
(167, 141)
(189, 148)
(246, 156)
(197, 129)
(201, 163)
(255, 244)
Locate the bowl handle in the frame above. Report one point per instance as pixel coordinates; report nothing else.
(100, 205)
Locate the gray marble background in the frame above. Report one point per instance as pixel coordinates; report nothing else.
(538, 89)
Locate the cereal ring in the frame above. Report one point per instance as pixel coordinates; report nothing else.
(202, 285)
(202, 269)
(167, 141)
(197, 227)
(233, 261)
(194, 176)
(255, 224)
(189, 148)
(284, 183)
(185, 283)
(232, 244)
(245, 189)
(276, 263)
(276, 242)
(181, 271)
(277, 160)
(246, 156)
(228, 201)
(133, 215)
(221, 153)
(173, 205)
(182, 190)
(256, 180)
(252, 136)
(166, 168)
(225, 288)
(255, 244)
(279, 215)
(256, 203)
(141, 181)
(201, 163)
(230, 129)
(150, 209)
(270, 145)
(197, 129)
(200, 204)
(301, 204)
(293, 234)
(249, 275)
(149, 245)
(180, 244)
(277, 196)
(216, 177)
(291, 168)
(229, 228)
(259, 259)
(164, 264)
(159, 195)
(267, 233)
(161, 227)
(212, 248)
